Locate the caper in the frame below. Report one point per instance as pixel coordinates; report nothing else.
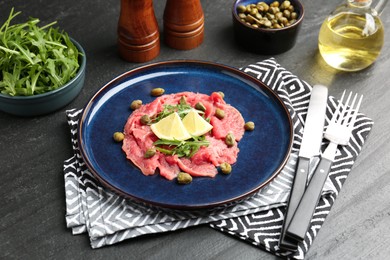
(136, 104)
(150, 153)
(254, 11)
(260, 8)
(270, 16)
(183, 100)
(184, 178)
(287, 14)
(118, 137)
(285, 5)
(200, 106)
(249, 126)
(241, 8)
(230, 140)
(157, 92)
(145, 119)
(267, 23)
(283, 20)
(274, 10)
(278, 15)
(274, 4)
(225, 167)
(242, 15)
(221, 94)
(264, 5)
(219, 113)
(277, 26)
(294, 15)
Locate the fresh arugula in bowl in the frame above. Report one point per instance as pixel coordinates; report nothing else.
(33, 59)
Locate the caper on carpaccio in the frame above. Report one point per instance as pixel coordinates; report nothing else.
(118, 137)
(219, 113)
(230, 140)
(136, 104)
(157, 92)
(150, 153)
(184, 178)
(226, 168)
(145, 119)
(249, 126)
(276, 15)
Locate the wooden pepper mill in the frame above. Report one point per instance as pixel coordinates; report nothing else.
(183, 24)
(138, 34)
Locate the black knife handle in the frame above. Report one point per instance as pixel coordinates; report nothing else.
(300, 222)
(297, 190)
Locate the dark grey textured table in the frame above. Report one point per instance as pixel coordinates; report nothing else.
(32, 207)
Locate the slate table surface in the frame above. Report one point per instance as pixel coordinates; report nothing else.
(32, 206)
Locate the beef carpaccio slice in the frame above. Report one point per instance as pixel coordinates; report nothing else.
(139, 138)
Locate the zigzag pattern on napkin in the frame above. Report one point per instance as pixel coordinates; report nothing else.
(263, 229)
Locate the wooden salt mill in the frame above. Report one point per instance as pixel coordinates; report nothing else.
(183, 24)
(138, 34)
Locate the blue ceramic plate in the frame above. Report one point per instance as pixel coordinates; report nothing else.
(263, 152)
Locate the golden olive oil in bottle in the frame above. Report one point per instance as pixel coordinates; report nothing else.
(352, 37)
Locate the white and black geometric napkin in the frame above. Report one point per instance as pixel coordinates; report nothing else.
(108, 218)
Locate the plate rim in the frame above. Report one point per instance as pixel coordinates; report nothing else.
(223, 203)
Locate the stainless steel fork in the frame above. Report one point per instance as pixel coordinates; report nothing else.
(338, 132)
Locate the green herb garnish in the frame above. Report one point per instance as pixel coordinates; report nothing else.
(34, 59)
(182, 109)
(181, 148)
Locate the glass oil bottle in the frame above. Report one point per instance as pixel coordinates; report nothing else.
(352, 36)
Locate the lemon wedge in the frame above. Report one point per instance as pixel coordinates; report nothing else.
(170, 128)
(195, 124)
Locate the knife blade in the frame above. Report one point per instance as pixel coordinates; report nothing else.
(310, 147)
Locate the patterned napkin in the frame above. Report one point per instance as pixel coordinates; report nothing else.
(108, 218)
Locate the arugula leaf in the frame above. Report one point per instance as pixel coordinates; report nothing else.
(181, 148)
(182, 109)
(33, 59)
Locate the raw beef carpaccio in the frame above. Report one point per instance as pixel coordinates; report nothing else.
(139, 138)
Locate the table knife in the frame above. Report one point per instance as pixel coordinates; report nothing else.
(310, 147)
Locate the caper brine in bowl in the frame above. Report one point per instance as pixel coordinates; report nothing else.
(267, 27)
(42, 68)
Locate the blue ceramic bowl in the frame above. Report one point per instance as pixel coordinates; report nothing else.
(263, 40)
(47, 102)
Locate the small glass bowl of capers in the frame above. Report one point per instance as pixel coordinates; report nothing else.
(267, 26)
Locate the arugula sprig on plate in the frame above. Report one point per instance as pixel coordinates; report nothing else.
(181, 148)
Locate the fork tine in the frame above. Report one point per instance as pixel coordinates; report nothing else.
(348, 109)
(356, 110)
(337, 111)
